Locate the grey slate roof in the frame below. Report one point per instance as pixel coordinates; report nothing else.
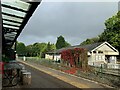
(89, 47)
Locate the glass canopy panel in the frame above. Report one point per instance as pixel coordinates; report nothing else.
(13, 12)
(11, 27)
(12, 18)
(9, 38)
(11, 23)
(12, 36)
(16, 3)
(8, 43)
(9, 34)
(13, 32)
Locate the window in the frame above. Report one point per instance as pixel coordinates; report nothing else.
(99, 58)
(103, 57)
(96, 58)
(100, 51)
(94, 51)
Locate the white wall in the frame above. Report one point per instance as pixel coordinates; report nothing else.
(57, 57)
(48, 56)
(96, 57)
(53, 57)
(107, 50)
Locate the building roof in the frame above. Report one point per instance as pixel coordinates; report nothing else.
(89, 47)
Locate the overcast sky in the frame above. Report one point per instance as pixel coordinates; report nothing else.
(76, 21)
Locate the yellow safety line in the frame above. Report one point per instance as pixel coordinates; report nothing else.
(78, 85)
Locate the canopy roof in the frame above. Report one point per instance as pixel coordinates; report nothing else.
(15, 15)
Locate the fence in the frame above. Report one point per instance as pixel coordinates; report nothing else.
(96, 64)
(113, 66)
(109, 65)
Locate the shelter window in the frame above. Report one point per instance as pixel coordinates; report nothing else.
(94, 51)
(100, 51)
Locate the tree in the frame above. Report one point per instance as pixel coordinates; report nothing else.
(53, 47)
(46, 48)
(21, 48)
(67, 44)
(39, 49)
(42, 47)
(111, 33)
(36, 49)
(49, 47)
(90, 41)
(61, 42)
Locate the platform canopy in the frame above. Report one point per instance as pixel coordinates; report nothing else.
(15, 15)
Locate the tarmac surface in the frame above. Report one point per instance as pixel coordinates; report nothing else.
(43, 80)
(45, 77)
(68, 78)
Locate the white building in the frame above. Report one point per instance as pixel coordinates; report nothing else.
(98, 53)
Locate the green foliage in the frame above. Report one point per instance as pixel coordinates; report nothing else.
(50, 47)
(37, 49)
(90, 41)
(61, 42)
(112, 31)
(20, 48)
(67, 44)
(29, 50)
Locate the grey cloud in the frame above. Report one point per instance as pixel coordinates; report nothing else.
(75, 21)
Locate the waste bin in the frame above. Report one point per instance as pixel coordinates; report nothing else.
(26, 78)
(21, 75)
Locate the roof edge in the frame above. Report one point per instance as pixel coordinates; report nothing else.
(107, 44)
